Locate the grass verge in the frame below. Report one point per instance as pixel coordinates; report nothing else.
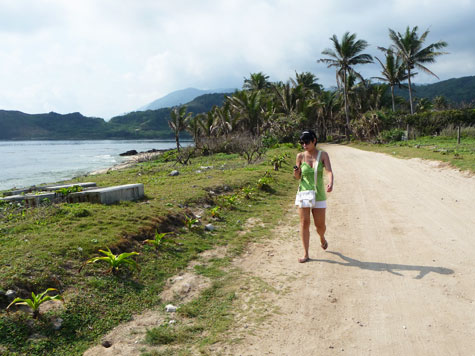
(45, 247)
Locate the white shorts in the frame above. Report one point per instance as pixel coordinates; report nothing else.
(314, 204)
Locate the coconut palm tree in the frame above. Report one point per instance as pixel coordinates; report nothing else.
(393, 71)
(256, 81)
(308, 81)
(178, 122)
(344, 56)
(410, 48)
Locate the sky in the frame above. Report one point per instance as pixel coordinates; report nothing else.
(107, 57)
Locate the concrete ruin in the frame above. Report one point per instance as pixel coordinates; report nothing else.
(34, 196)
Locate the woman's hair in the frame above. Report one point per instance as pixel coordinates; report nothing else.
(308, 135)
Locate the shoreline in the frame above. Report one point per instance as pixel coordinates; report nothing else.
(129, 161)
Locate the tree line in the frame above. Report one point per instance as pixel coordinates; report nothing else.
(266, 112)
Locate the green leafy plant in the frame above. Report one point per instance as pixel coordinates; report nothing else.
(264, 183)
(157, 241)
(190, 222)
(115, 261)
(230, 200)
(248, 192)
(68, 190)
(35, 301)
(215, 212)
(278, 161)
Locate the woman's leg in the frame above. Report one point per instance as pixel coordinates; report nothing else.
(305, 231)
(319, 220)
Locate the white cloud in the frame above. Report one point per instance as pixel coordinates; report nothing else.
(107, 57)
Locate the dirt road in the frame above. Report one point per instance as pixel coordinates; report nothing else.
(397, 279)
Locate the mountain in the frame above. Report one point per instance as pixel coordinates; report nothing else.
(150, 124)
(456, 90)
(180, 97)
(17, 125)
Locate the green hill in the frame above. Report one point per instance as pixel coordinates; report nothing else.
(456, 90)
(151, 124)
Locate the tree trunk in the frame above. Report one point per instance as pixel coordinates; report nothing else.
(392, 97)
(347, 128)
(177, 140)
(410, 90)
(458, 135)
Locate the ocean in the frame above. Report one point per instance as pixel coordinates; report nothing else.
(26, 163)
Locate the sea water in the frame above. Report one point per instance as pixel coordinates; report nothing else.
(26, 163)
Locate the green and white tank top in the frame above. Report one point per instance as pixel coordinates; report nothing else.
(307, 180)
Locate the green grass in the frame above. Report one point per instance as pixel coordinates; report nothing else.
(45, 247)
(438, 148)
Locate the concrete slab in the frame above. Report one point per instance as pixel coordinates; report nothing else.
(48, 188)
(109, 195)
(31, 199)
(82, 185)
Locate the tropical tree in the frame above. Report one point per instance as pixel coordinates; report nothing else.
(409, 46)
(308, 81)
(393, 71)
(250, 108)
(256, 81)
(344, 56)
(178, 122)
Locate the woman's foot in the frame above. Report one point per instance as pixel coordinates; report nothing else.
(324, 244)
(304, 259)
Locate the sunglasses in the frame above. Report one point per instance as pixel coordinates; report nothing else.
(307, 141)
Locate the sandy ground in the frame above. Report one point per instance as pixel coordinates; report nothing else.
(398, 277)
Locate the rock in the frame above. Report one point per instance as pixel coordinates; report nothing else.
(198, 171)
(174, 173)
(57, 323)
(209, 227)
(171, 322)
(106, 344)
(10, 294)
(206, 167)
(185, 288)
(170, 308)
(129, 153)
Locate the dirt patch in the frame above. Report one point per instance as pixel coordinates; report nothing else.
(184, 287)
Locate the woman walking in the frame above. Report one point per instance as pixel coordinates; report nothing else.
(311, 197)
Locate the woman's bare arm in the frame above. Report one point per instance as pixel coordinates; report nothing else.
(328, 169)
(298, 163)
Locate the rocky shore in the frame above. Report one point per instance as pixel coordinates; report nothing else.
(133, 157)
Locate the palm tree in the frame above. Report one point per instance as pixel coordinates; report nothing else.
(409, 47)
(308, 81)
(344, 56)
(393, 71)
(179, 122)
(256, 81)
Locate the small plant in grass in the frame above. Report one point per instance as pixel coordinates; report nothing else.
(230, 200)
(190, 222)
(214, 212)
(157, 241)
(35, 301)
(278, 161)
(264, 182)
(248, 192)
(115, 261)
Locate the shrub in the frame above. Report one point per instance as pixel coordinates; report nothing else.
(393, 135)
